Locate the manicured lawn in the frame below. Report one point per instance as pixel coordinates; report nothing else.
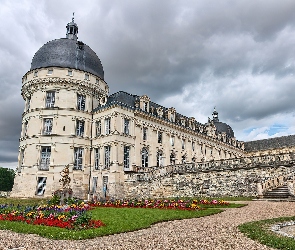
(117, 220)
(260, 231)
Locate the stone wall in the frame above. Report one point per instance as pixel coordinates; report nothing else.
(237, 182)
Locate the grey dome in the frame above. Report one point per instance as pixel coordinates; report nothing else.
(68, 53)
(223, 127)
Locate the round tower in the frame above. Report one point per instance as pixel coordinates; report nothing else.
(61, 89)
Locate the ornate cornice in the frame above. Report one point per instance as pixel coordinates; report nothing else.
(82, 86)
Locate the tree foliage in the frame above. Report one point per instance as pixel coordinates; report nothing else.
(6, 179)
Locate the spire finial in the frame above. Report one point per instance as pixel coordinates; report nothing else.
(72, 29)
(215, 115)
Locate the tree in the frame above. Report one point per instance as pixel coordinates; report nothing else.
(6, 179)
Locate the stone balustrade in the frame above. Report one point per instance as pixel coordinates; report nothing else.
(158, 172)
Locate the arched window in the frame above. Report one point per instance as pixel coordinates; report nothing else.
(160, 158)
(144, 157)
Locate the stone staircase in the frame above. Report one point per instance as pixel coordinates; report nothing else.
(281, 192)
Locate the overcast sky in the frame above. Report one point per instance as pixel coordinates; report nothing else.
(191, 55)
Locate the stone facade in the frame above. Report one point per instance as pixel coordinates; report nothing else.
(107, 140)
(210, 183)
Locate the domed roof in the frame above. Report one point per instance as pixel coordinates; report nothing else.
(68, 53)
(221, 126)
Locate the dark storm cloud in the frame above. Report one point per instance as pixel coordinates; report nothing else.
(236, 55)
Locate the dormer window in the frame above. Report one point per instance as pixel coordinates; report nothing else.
(144, 103)
(50, 72)
(86, 77)
(160, 112)
(70, 72)
(145, 106)
(171, 114)
(172, 117)
(35, 73)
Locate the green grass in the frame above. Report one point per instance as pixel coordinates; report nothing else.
(231, 205)
(117, 220)
(260, 231)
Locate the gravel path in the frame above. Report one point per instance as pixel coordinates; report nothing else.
(218, 231)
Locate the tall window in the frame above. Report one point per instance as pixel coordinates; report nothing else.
(172, 139)
(78, 158)
(81, 99)
(94, 184)
(28, 104)
(193, 146)
(105, 180)
(160, 158)
(80, 128)
(45, 158)
(126, 126)
(96, 158)
(21, 158)
(98, 127)
(50, 99)
(144, 157)
(126, 156)
(107, 157)
(182, 144)
(25, 128)
(47, 126)
(144, 134)
(41, 184)
(160, 134)
(107, 126)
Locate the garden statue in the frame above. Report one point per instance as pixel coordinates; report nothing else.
(65, 192)
(65, 180)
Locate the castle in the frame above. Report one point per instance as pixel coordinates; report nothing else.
(124, 145)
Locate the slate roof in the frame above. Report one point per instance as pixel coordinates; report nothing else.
(125, 99)
(272, 143)
(223, 127)
(122, 98)
(68, 53)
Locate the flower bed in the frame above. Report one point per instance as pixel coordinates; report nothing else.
(75, 215)
(191, 204)
(72, 216)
